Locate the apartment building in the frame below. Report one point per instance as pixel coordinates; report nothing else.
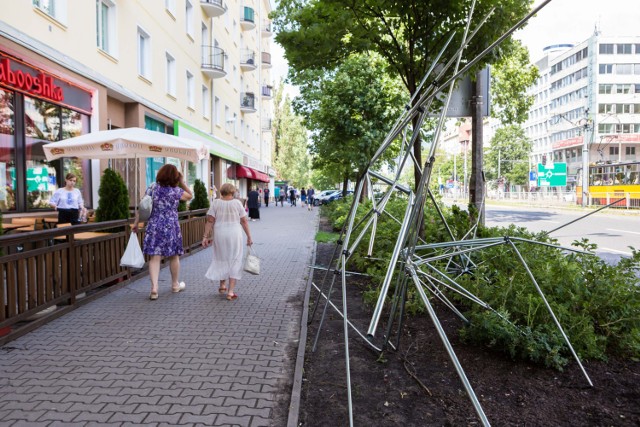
(193, 68)
(590, 90)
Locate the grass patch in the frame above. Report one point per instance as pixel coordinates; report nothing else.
(326, 237)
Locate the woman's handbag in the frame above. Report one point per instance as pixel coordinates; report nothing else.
(252, 262)
(133, 256)
(146, 206)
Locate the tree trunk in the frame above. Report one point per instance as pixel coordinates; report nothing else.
(345, 182)
(476, 182)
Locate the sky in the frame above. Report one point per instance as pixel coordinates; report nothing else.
(573, 21)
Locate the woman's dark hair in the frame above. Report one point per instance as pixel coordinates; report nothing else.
(168, 176)
(70, 176)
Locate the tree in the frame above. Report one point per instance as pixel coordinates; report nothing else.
(113, 196)
(200, 199)
(509, 152)
(290, 142)
(349, 111)
(318, 35)
(510, 77)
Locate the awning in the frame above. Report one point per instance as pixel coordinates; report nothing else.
(245, 172)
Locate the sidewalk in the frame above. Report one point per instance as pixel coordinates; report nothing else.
(186, 359)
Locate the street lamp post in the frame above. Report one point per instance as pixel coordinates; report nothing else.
(587, 136)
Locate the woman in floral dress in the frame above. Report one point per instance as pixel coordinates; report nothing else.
(227, 220)
(163, 237)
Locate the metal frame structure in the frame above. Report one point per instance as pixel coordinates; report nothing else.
(414, 261)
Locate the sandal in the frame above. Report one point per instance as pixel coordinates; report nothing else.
(222, 290)
(153, 296)
(232, 297)
(180, 288)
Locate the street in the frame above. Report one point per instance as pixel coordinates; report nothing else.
(613, 232)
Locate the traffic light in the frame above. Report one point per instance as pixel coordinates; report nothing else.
(544, 159)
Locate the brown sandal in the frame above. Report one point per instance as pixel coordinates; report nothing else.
(232, 297)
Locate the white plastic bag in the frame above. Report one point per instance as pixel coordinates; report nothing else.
(133, 256)
(252, 262)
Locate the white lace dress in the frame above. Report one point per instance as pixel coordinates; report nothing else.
(227, 240)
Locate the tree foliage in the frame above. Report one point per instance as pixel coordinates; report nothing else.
(349, 111)
(113, 196)
(290, 142)
(510, 77)
(511, 147)
(408, 34)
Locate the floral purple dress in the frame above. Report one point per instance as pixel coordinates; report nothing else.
(162, 234)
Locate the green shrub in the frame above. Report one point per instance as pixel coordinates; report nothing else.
(113, 196)
(597, 304)
(200, 199)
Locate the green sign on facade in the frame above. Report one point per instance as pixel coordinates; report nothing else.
(552, 175)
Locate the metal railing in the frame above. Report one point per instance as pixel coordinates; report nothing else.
(46, 273)
(212, 57)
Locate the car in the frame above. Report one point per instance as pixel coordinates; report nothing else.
(319, 199)
(335, 196)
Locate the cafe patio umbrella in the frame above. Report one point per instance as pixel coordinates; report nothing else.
(127, 143)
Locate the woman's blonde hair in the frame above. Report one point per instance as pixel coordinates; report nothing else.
(227, 189)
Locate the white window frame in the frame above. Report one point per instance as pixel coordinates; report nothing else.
(188, 9)
(57, 9)
(170, 5)
(171, 74)
(216, 110)
(227, 119)
(144, 53)
(106, 38)
(190, 89)
(206, 102)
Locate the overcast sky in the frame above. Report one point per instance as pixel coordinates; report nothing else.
(573, 21)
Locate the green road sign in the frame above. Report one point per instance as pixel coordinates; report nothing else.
(552, 175)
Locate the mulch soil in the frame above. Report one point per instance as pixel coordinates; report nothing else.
(418, 384)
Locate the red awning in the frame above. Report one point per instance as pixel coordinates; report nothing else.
(245, 172)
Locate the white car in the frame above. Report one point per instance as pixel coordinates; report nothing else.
(322, 196)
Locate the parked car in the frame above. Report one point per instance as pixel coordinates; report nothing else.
(335, 196)
(319, 199)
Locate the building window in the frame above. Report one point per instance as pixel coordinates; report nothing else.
(227, 119)
(623, 108)
(624, 48)
(206, 107)
(606, 108)
(190, 90)
(144, 54)
(57, 9)
(624, 69)
(605, 69)
(216, 109)
(235, 125)
(606, 48)
(603, 88)
(630, 151)
(106, 26)
(189, 18)
(620, 88)
(171, 75)
(170, 5)
(614, 151)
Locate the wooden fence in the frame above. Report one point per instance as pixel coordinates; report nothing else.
(46, 273)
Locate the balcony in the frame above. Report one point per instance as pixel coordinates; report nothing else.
(247, 20)
(267, 92)
(267, 28)
(266, 125)
(266, 60)
(213, 8)
(247, 60)
(213, 62)
(248, 102)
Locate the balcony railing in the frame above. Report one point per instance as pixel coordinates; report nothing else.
(213, 62)
(247, 20)
(266, 125)
(247, 60)
(213, 8)
(248, 102)
(266, 60)
(267, 28)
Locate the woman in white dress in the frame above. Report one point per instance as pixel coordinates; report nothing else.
(227, 218)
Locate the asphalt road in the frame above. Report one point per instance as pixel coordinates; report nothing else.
(612, 231)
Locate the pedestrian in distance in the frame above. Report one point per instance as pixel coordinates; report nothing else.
(253, 203)
(311, 198)
(163, 237)
(283, 195)
(266, 197)
(68, 202)
(292, 196)
(303, 198)
(226, 220)
(276, 195)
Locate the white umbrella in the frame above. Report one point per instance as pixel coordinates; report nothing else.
(127, 143)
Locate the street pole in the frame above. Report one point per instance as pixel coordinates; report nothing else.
(498, 163)
(586, 137)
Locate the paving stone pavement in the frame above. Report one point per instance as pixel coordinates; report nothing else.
(191, 358)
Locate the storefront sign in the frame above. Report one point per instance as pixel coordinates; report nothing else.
(40, 85)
